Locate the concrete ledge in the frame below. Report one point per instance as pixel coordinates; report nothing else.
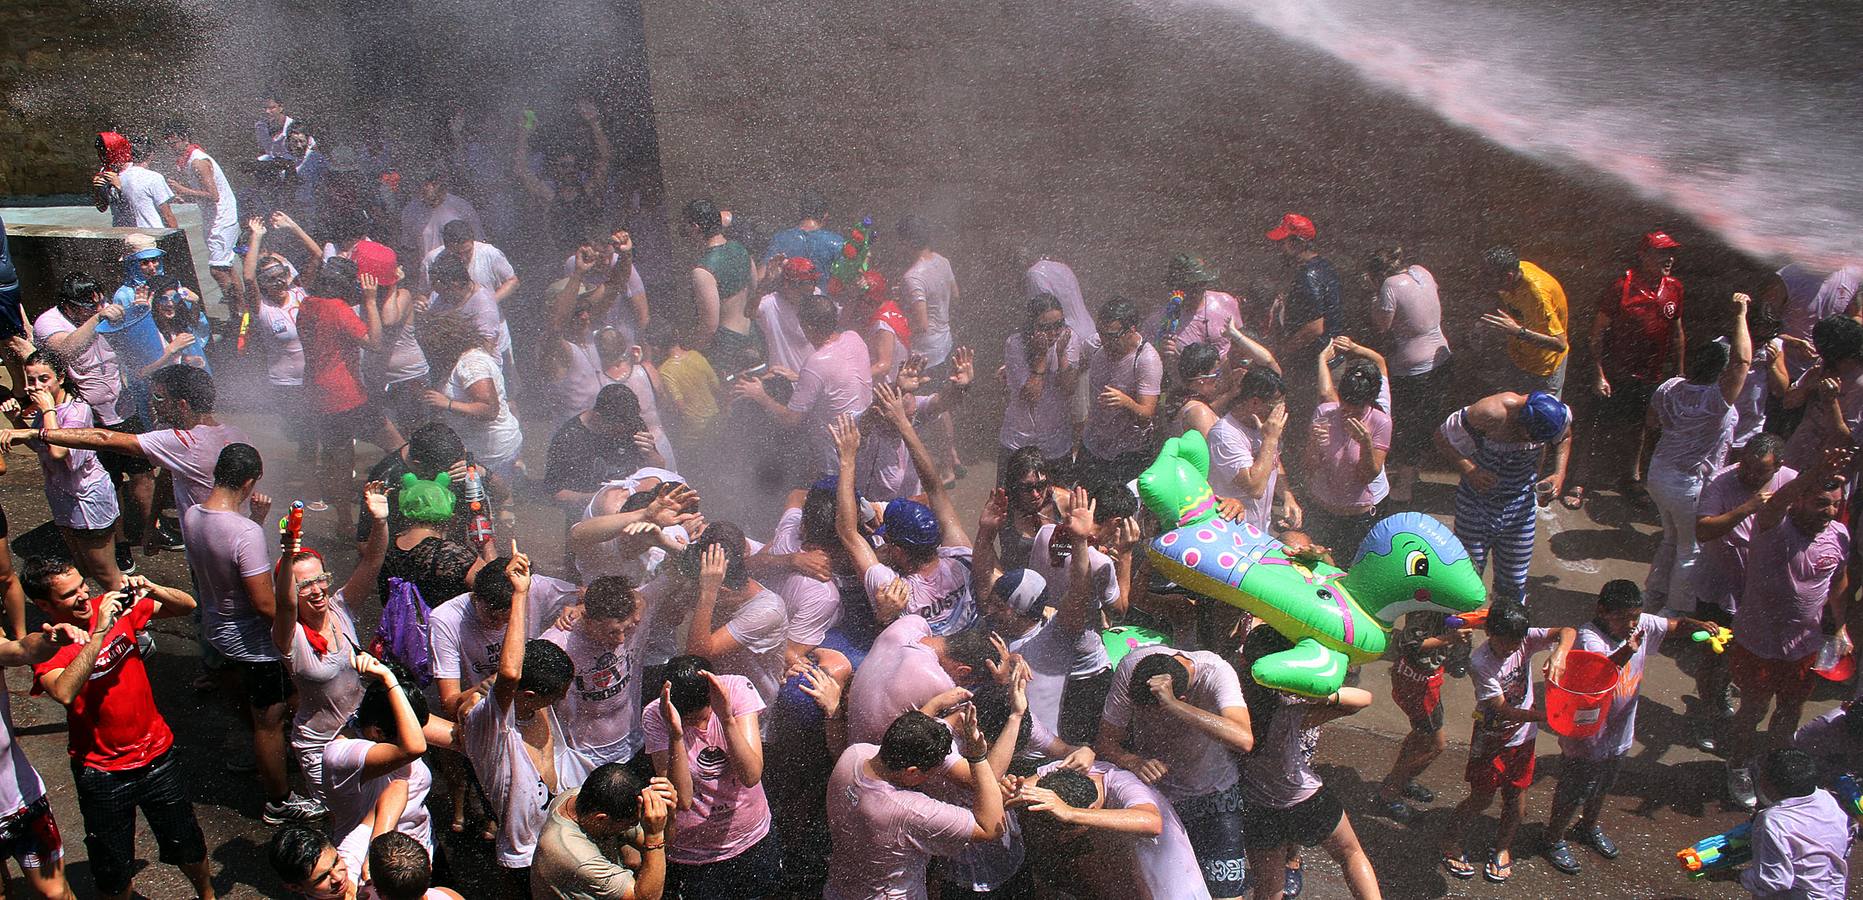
(45, 253)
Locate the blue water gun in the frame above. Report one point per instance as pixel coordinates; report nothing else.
(1849, 793)
(1725, 850)
(1172, 320)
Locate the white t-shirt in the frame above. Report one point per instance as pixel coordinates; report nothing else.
(1416, 311)
(498, 439)
(1046, 423)
(835, 380)
(351, 798)
(884, 836)
(760, 625)
(1167, 864)
(224, 549)
(329, 687)
(883, 468)
(1620, 722)
(190, 457)
(20, 784)
(519, 798)
(1697, 422)
(214, 216)
(1198, 764)
(942, 596)
(278, 329)
(783, 342)
(93, 370)
(140, 196)
(1509, 678)
(1048, 276)
(603, 703)
(1233, 447)
(465, 647)
(931, 281)
(898, 675)
(1112, 432)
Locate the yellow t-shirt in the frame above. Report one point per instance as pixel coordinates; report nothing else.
(693, 387)
(1538, 303)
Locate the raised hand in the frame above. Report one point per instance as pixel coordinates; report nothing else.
(720, 695)
(1080, 515)
(892, 403)
(962, 366)
(813, 563)
(374, 668)
(375, 500)
(518, 570)
(674, 506)
(821, 687)
(712, 569)
(675, 728)
(846, 434)
(995, 511)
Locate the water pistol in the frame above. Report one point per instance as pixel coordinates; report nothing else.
(1173, 318)
(1716, 639)
(1472, 619)
(1849, 793)
(245, 325)
(1725, 850)
(478, 525)
(291, 529)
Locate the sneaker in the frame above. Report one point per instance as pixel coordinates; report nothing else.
(125, 559)
(1292, 882)
(1397, 811)
(1740, 787)
(293, 809)
(167, 538)
(1419, 793)
(1594, 837)
(1725, 706)
(1705, 742)
(1559, 853)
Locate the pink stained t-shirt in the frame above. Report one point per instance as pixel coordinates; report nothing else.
(190, 457)
(1233, 447)
(1047, 422)
(726, 818)
(1110, 432)
(835, 380)
(941, 595)
(93, 370)
(898, 675)
(1167, 864)
(352, 798)
(1788, 583)
(602, 706)
(1721, 570)
(885, 836)
(1332, 462)
(1208, 325)
(1198, 764)
(883, 468)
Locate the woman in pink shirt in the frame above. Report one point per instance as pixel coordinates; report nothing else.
(1345, 456)
(79, 491)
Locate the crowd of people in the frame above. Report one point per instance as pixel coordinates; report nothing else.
(884, 695)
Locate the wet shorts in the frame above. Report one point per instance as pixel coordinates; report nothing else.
(362, 423)
(123, 465)
(30, 836)
(265, 683)
(1214, 824)
(1512, 767)
(1419, 696)
(1306, 823)
(1788, 679)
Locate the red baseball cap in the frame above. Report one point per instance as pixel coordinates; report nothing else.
(1293, 225)
(800, 268)
(375, 259)
(1660, 240)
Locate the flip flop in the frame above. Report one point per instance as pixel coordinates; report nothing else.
(1496, 872)
(1573, 497)
(1458, 865)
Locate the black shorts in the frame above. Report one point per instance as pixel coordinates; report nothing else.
(1083, 702)
(1306, 823)
(1418, 403)
(1712, 612)
(122, 465)
(266, 684)
(360, 423)
(109, 801)
(756, 872)
(1214, 824)
(30, 836)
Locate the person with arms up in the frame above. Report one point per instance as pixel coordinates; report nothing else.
(612, 805)
(1081, 827)
(122, 750)
(735, 620)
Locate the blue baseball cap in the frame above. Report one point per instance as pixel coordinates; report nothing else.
(1543, 416)
(909, 523)
(1024, 590)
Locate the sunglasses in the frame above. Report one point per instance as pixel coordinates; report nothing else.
(1033, 487)
(1050, 327)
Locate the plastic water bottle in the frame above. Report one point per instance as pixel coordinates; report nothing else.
(1830, 653)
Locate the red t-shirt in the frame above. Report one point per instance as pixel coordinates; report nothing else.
(331, 334)
(114, 725)
(1641, 338)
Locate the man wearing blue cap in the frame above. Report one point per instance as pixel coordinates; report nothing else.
(1500, 444)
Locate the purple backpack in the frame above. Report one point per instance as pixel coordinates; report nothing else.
(402, 634)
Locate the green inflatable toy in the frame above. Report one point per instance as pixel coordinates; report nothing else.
(1335, 618)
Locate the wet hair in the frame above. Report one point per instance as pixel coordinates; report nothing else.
(547, 669)
(1359, 383)
(186, 384)
(491, 587)
(913, 231)
(51, 359)
(36, 574)
(1386, 261)
(448, 268)
(78, 289)
(1620, 594)
(1121, 310)
(610, 345)
(1076, 789)
(1197, 360)
(914, 740)
(1145, 669)
(1762, 445)
(294, 851)
(377, 708)
(1706, 361)
(690, 689)
(617, 403)
(1500, 258)
(446, 337)
(1791, 772)
(812, 205)
(455, 231)
(704, 214)
(971, 647)
(1039, 305)
(175, 128)
(992, 702)
(238, 464)
(1507, 619)
(1111, 500)
(818, 316)
(399, 867)
(818, 518)
(1762, 325)
(1261, 383)
(1022, 463)
(1837, 338)
(724, 534)
(433, 448)
(1263, 702)
(659, 335)
(611, 790)
(610, 597)
(337, 278)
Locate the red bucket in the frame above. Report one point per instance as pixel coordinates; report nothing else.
(1577, 704)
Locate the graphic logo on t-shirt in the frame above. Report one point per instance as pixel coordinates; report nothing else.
(711, 763)
(111, 657)
(605, 681)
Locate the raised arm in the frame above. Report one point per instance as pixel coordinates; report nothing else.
(40, 645)
(361, 582)
(511, 653)
(1734, 377)
(743, 735)
(65, 684)
(846, 513)
(951, 526)
(701, 638)
(409, 743)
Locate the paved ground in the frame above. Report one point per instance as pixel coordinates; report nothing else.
(1668, 795)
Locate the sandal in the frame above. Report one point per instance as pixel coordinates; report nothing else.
(1573, 498)
(1458, 865)
(1497, 871)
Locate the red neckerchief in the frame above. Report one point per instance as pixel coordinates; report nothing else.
(182, 163)
(316, 639)
(888, 312)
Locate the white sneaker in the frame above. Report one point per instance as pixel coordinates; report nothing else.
(1740, 786)
(293, 809)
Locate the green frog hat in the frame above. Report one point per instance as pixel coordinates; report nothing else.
(427, 501)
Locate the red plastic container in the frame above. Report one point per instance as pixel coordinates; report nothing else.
(1577, 704)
